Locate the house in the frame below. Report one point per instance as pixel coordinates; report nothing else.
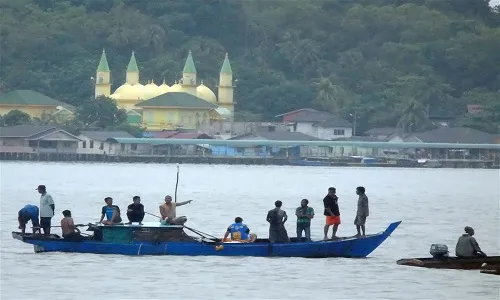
(95, 142)
(382, 133)
(199, 149)
(39, 139)
(453, 135)
(320, 124)
(35, 104)
(266, 150)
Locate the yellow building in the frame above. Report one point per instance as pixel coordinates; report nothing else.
(35, 104)
(186, 104)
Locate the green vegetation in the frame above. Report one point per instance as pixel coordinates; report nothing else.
(396, 62)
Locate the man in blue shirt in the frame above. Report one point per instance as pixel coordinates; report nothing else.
(238, 231)
(29, 212)
(111, 212)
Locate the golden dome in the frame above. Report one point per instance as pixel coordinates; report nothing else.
(134, 92)
(119, 92)
(164, 88)
(175, 88)
(203, 92)
(151, 90)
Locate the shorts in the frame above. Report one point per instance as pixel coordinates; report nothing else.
(335, 220)
(45, 222)
(360, 220)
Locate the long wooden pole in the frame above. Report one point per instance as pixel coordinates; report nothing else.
(176, 184)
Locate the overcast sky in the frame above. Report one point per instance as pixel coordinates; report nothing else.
(494, 2)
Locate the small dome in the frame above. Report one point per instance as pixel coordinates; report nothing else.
(151, 90)
(175, 88)
(164, 88)
(115, 96)
(203, 92)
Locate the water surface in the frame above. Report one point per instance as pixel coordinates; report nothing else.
(434, 205)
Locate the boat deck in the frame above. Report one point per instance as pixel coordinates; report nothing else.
(135, 225)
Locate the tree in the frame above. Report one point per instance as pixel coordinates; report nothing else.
(100, 113)
(15, 117)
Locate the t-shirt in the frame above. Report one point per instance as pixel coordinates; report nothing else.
(136, 208)
(363, 209)
(45, 208)
(108, 211)
(304, 211)
(332, 203)
(31, 210)
(238, 231)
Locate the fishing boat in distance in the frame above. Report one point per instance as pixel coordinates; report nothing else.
(152, 238)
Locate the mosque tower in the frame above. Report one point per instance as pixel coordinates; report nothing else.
(132, 75)
(226, 88)
(102, 79)
(189, 76)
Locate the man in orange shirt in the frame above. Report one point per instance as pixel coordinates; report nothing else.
(332, 212)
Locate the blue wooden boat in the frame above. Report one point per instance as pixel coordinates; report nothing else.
(156, 239)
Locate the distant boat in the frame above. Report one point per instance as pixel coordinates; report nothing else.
(474, 263)
(309, 162)
(156, 239)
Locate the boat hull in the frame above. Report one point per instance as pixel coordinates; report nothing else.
(490, 269)
(450, 262)
(350, 247)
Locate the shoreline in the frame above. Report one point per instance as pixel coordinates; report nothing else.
(161, 159)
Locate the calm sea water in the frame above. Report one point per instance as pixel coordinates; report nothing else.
(434, 205)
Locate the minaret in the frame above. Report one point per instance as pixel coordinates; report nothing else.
(102, 80)
(226, 89)
(189, 75)
(132, 76)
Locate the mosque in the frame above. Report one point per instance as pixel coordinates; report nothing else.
(184, 105)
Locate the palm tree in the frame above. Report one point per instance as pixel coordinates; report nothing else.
(414, 116)
(330, 97)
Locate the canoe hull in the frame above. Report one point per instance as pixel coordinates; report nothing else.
(450, 263)
(351, 247)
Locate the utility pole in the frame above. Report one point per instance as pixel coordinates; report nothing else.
(355, 117)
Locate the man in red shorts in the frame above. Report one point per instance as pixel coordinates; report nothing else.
(332, 212)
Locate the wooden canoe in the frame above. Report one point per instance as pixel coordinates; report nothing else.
(451, 262)
(490, 269)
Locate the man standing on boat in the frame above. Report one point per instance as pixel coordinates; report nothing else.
(135, 211)
(362, 212)
(277, 218)
(467, 245)
(29, 212)
(168, 212)
(331, 212)
(304, 215)
(111, 212)
(47, 209)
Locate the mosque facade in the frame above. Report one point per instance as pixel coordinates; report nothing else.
(186, 104)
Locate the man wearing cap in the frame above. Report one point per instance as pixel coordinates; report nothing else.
(467, 245)
(47, 208)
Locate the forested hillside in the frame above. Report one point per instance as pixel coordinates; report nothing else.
(393, 61)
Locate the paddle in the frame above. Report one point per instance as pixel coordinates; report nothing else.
(176, 184)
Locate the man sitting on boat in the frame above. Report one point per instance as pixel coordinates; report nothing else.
(239, 232)
(29, 212)
(467, 245)
(111, 212)
(135, 211)
(168, 212)
(69, 230)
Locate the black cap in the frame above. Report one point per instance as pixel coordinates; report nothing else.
(41, 187)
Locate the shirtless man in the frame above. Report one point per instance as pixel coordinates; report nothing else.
(168, 212)
(69, 230)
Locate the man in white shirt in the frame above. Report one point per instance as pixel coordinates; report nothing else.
(47, 208)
